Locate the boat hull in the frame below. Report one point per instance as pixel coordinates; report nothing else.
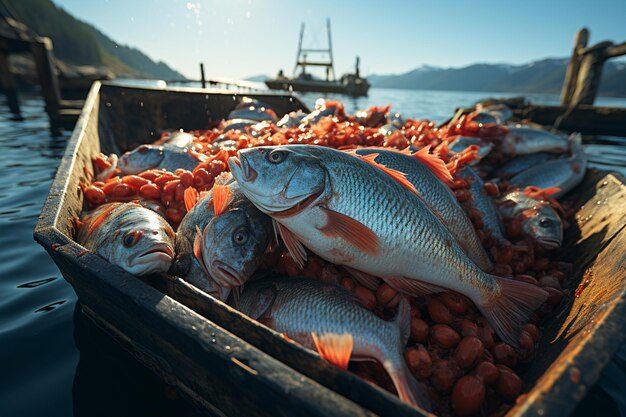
(231, 365)
(313, 86)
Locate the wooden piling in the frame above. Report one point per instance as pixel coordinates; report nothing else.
(569, 84)
(8, 84)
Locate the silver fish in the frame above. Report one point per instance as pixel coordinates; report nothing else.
(254, 111)
(238, 124)
(292, 119)
(166, 157)
(500, 112)
(130, 236)
(300, 307)
(522, 140)
(564, 173)
(439, 197)
(180, 139)
(351, 213)
(485, 205)
(232, 244)
(463, 142)
(540, 221)
(522, 163)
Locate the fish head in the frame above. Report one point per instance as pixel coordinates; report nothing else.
(279, 178)
(141, 158)
(543, 224)
(233, 244)
(142, 244)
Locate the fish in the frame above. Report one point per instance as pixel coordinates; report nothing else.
(179, 139)
(238, 124)
(463, 142)
(522, 163)
(253, 110)
(500, 112)
(439, 197)
(540, 221)
(352, 213)
(522, 140)
(484, 117)
(388, 129)
(485, 205)
(321, 111)
(315, 315)
(128, 235)
(166, 157)
(292, 119)
(564, 173)
(220, 243)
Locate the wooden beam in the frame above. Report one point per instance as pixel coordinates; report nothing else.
(569, 83)
(590, 74)
(8, 85)
(616, 50)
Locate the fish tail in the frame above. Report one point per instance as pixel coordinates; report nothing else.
(511, 309)
(409, 389)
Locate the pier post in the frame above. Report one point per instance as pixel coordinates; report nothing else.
(8, 85)
(569, 84)
(202, 79)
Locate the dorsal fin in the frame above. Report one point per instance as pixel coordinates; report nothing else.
(191, 197)
(93, 224)
(395, 174)
(434, 163)
(334, 347)
(222, 196)
(536, 192)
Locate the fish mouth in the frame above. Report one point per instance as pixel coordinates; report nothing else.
(160, 252)
(249, 174)
(549, 243)
(156, 260)
(225, 275)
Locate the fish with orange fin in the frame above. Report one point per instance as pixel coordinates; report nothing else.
(221, 240)
(540, 221)
(330, 320)
(128, 235)
(426, 180)
(168, 157)
(564, 173)
(353, 214)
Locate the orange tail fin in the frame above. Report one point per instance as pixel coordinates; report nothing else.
(335, 348)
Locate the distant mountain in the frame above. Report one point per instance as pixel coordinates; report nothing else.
(79, 43)
(543, 76)
(258, 78)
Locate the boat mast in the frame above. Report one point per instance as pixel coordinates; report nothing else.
(299, 50)
(330, 51)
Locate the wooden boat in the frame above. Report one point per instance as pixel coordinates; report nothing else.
(213, 353)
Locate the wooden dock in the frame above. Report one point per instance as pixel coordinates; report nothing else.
(15, 38)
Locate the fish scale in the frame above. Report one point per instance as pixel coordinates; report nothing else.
(440, 197)
(354, 214)
(298, 307)
(354, 181)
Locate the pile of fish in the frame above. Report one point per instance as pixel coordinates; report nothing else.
(425, 249)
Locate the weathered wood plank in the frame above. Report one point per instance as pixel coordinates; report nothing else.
(571, 74)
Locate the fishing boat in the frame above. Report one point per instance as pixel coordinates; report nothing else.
(350, 84)
(228, 364)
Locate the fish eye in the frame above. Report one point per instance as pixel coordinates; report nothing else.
(131, 238)
(240, 237)
(545, 222)
(143, 149)
(276, 156)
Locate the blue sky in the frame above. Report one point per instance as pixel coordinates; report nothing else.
(240, 38)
